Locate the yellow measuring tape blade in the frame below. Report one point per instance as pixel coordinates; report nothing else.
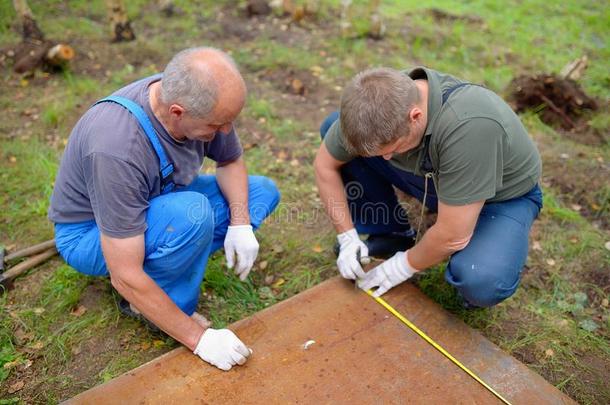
(435, 345)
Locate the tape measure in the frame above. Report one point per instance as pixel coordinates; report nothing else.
(435, 345)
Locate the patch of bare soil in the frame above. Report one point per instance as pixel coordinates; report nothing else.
(581, 180)
(561, 103)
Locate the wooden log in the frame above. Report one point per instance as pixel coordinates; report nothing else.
(30, 250)
(20, 268)
(59, 55)
(31, 55)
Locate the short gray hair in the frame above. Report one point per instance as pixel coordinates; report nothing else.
(195, 90)
(375, 109)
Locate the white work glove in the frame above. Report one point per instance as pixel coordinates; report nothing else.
(388, 274)
(221, 348)
(351, 249)
(241, 242)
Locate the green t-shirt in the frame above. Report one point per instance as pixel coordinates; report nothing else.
(479, 148)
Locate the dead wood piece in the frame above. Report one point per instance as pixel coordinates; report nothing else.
(59, 55)
(30, 250)
(30, 55)
(119, 21)
(575, 69)
(28, 22)
(22, 267)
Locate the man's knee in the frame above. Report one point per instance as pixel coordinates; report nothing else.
(482, 284)
(328, 121)
(185, 214)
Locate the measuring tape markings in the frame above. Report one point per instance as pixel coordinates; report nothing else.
(435, 345)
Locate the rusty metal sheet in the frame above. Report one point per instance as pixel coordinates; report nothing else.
(361, 354)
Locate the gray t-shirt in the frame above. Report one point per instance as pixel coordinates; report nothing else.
(109, 171)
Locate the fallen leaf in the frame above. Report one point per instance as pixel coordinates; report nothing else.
(297, 87)
(263, 265)
(11, 364)
(316, 70)
(605, 302)
(269, 279)
(15, 387)
(574, 240)
(294, 163)
(79, 310)
(282, 155)
(549, 353)
(607, 245)
(158, 343)
(145, 346)
(12, 159)
(37, 346)
(550, 262)
(278, 282)
(317, 248)
(564, 156)
(576, 207)
(278, 249)
(76, 350)
(26, 364)
(536, 245)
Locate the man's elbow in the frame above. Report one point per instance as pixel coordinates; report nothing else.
(124, 281)
(458, 243)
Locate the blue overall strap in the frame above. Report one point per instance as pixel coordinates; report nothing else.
(166, 168)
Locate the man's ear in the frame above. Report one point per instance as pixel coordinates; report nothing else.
(176, 111)
(415, 114)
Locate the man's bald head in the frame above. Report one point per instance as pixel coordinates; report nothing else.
(203, 80)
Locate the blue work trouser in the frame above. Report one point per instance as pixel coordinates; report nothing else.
(183, 228)
(485, 272)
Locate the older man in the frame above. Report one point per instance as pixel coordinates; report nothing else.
(455, 146)
(129, 202)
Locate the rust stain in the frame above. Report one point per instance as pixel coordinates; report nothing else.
(362, 355)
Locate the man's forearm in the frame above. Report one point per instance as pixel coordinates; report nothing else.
(144, 294)
(124, 258)
(232, 179)
(333, 197)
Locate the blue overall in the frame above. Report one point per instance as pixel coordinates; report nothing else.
(184, 226)
(485, 272)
